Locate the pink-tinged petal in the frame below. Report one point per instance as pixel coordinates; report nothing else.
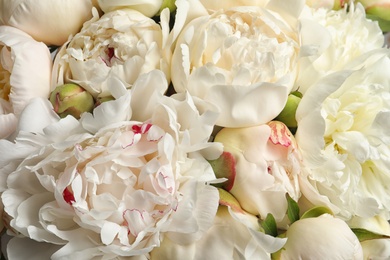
(280, 134)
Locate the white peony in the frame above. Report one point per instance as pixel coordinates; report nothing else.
(124, 43)
(49, 21)
(115, 190)
(332, 39)
(267, 164)
(148, 8)
(242, 59)
(324, 237)
(217, 5)
(343, 134)
(25, 70)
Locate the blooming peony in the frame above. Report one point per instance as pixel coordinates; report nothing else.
(124, 43)
(333, 39)
(25, 70)
(115, 190)
(242, 59)
(343, 134)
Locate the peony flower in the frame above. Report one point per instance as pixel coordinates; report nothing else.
(148, 8)
(242, 59)
(343, 124)
(112, 191)
(227, 4)
(124, 43)
(51, 22)
(321, 3)
(25, 70)
(332, 39)
(324, 237)
(267, 163)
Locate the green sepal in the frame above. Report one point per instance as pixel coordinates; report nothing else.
(316, 212)
(269, 225)
(364, 234)
(224, 167)
(292, 209)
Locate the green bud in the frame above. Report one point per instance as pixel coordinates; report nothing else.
(71, 99)
(287, 116)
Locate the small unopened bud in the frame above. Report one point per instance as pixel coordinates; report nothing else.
(287, 116)
(71, 99)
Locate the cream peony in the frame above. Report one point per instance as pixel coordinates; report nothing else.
(332, 39)
(343, 134)
(49, 21)
(124, 43)
(112, 191)
(217, 5)
(25, 70)
(242, 59)
(324, 237)
(148, 8)
(267, 164)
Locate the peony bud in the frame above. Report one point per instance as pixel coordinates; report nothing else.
(51, 22)
(148, 8)
(71, 99)
(323, 237)
(287, 116)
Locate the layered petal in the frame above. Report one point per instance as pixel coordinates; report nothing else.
(25, 74)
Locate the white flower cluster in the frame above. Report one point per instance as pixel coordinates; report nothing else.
(240, 129)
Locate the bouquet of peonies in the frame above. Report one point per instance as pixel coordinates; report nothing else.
(195, 129)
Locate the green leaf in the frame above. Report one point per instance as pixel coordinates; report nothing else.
(269, 225)
(292, 209)
(364, 234)
(316, 212)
